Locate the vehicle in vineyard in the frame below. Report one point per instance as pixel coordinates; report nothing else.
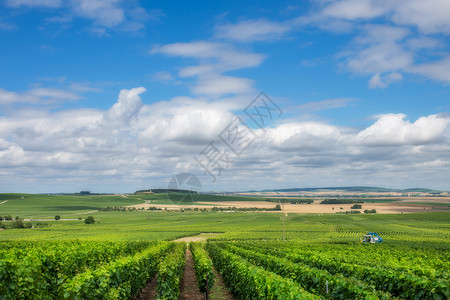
(372, 238)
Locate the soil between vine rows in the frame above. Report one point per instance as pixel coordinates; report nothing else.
(188, 286)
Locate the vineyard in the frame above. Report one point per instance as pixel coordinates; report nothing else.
(251, 269)
(126, 253)
(333, 271)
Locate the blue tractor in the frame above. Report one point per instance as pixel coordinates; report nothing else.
(372, 238)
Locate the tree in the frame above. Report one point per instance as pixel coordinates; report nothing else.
(278, 207)
(18, 223)
(356, 206)
(89, 220)
(57, 217)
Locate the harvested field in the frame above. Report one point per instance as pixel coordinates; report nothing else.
(383, 208)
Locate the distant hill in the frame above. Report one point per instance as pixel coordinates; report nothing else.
(159, 191)
(356, 189)
(359, 189)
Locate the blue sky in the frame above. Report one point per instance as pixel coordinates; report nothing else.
(114, 96)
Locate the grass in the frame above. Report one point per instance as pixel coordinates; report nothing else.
(425, 233)
(198, 198)
(38, 206)
(427, 228)
(429, 203)
(47, 206)
(421, 228)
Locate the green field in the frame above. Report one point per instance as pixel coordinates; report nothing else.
(416, 247)
(68, 206)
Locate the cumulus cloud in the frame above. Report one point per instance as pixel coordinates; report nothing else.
(307, 135)
(132, 146)
(252, 30)
(393, 129)
(127, 108)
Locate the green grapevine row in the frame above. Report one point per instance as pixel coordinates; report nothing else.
(397, 283)
(170, 273)
(247, 281)
(119, 279)
(313, 280)
(203, 267)
(39, 269)
(431, 263)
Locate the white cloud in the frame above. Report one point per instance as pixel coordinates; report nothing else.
(429, 16)
(182, 122)
(214, 59)
(383, 81)
(34, 3)
(200, 49)
(107, 13)
(303, 135)
(133, 146)
(37, 96)
(380, 50)
(125, 110)
(252, 30)
(439, 70)
(354, 9)
(222, 85)
(408, 44)
(393, 129)
(423, 43)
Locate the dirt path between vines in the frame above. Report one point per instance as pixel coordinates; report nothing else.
(197, 238)
(149, 292)
(219, 291)
(189, 288)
